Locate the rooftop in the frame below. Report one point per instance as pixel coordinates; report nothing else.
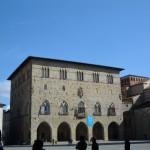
(137, 76)
(30, 58)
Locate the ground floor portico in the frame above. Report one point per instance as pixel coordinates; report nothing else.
(66, 130)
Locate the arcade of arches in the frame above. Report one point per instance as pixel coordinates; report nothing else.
(44, 132)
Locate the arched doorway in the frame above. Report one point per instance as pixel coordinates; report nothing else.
(81, 130)
(63, 132)
(44, 132)
(98, 131)
(113, 131)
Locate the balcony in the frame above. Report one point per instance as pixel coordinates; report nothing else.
(97, 114)
(80, 115)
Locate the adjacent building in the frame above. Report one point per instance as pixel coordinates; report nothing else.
(52, 99)
(1, 118)
(6, 127)
(136, 106)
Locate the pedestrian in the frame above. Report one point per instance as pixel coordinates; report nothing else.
(127, 144)
(94, 144)
(81, 145)
(38, 145)
(1, 146)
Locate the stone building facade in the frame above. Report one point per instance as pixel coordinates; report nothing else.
(136, 102)
(52, 99)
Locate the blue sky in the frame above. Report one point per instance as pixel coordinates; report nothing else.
(107, 32)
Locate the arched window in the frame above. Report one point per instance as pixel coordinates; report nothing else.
(45, 108)
(80, 112)
(63, 110)
(111, 110)
(97, 109)
(81, 107)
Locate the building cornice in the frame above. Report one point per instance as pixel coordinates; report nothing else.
(30, 58)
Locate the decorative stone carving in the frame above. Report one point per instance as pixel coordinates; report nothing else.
(80, 92)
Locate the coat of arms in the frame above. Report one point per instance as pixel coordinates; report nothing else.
(80, 92)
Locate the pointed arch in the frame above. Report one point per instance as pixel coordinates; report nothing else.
(64, 132)
(111, 110)
(44, 132)
(98, 131)
(97, 109)
(45, 108)
(81, 130)
(81, 107)
(63, 110)
(113, 131)
(80, 110)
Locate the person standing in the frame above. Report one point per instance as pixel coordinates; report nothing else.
(81, 145)
(94, 144)
(127, 144)
(38, 145)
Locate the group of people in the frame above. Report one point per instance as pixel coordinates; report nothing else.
(81, 145)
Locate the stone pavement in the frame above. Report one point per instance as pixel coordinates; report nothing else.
(112, 146)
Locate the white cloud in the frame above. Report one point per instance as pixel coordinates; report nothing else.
(5, 89)
(7, 107)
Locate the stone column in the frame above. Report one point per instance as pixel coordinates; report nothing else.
(54, 133)
(106, 132)
(90, 132)
(33, 134)
(73, 133)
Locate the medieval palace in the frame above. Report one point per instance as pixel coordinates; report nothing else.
(52, 100)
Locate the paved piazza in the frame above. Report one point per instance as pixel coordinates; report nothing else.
(142, 146)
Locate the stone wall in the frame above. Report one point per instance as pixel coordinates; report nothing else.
(28, 94)
(20, 106)
(92, 93)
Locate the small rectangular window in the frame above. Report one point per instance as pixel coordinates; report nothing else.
(80, 76)
(45, 72)
(63, 74)
(95, 77)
